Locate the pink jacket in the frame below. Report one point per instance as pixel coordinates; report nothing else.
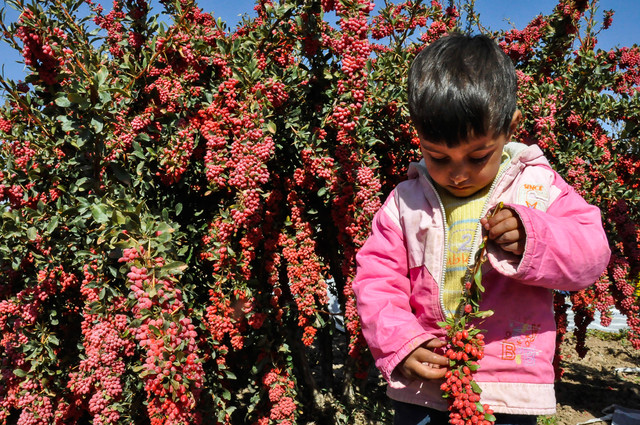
(400, 277)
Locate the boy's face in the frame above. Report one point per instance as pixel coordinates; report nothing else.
(470, 166)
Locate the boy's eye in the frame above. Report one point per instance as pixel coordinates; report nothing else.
(440, 160)
(480, 160)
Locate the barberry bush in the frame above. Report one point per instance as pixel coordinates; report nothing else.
(182, 201)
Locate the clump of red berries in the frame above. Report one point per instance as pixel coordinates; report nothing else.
(465, 348)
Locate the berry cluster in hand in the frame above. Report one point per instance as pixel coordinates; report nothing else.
(466, 347)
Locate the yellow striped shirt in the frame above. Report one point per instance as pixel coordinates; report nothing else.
(463, 215)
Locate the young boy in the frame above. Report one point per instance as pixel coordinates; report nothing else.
(462, 101)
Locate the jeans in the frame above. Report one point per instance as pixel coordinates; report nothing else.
(411, 414)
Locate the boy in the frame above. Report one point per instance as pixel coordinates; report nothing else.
(462, 101)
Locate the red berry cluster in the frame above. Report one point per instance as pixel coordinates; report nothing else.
(304, 268)
(624, 291)
(352, 47)
(6, 125)
(282, 395)
(225, 318)
(172, 372)
(36, 408)
(465, 348)
(630, 62)
(444, 20)
(23, 388)
(22, 153)
(239, 164)
(112, 23)
(399, 18)
(176, 159)
(97, 382)
(521, 44)
(41, 47)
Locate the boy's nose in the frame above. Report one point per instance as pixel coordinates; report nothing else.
(458, 178)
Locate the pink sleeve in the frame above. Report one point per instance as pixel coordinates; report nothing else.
(566, 247)
(383, 292)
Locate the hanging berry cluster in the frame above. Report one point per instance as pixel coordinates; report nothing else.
(172, 371)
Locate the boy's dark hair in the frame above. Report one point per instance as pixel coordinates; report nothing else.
(460, 87)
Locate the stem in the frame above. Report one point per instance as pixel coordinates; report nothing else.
(27, 108)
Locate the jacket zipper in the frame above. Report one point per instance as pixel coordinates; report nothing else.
(478, 231)
(446, 248)
(446, 235)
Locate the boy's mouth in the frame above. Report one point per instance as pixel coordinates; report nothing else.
(459, 187)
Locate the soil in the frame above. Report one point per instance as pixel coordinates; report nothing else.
(591, 384)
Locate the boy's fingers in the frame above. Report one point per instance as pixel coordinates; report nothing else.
(434, 343)
(509, 236)
(515, 247)
(423, 363)
(505, 229)
(427, 365)
(427, 356)
(429, 372)
(504, 221)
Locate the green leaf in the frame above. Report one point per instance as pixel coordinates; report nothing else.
(102, 75)
(53, 223)
(67, 124)
(99, 214)
(32, 233)
(20, 373)
(475, 387)
(484, 314)
(63, 101)
(477, 278)
(175, 267)
(97, 125)
(77, 98)
(119, 217)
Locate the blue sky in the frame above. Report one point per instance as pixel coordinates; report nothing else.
(495, 14)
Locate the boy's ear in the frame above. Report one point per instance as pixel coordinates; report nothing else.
(515, 122)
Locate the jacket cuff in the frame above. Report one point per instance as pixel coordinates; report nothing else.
(388, 364)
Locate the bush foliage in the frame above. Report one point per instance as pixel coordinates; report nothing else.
(179, 198)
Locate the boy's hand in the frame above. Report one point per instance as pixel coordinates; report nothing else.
(505, 229)
(423, 363)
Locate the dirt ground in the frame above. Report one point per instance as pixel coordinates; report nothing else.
(591, 384)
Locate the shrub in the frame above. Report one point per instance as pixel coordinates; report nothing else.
(178, 200)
